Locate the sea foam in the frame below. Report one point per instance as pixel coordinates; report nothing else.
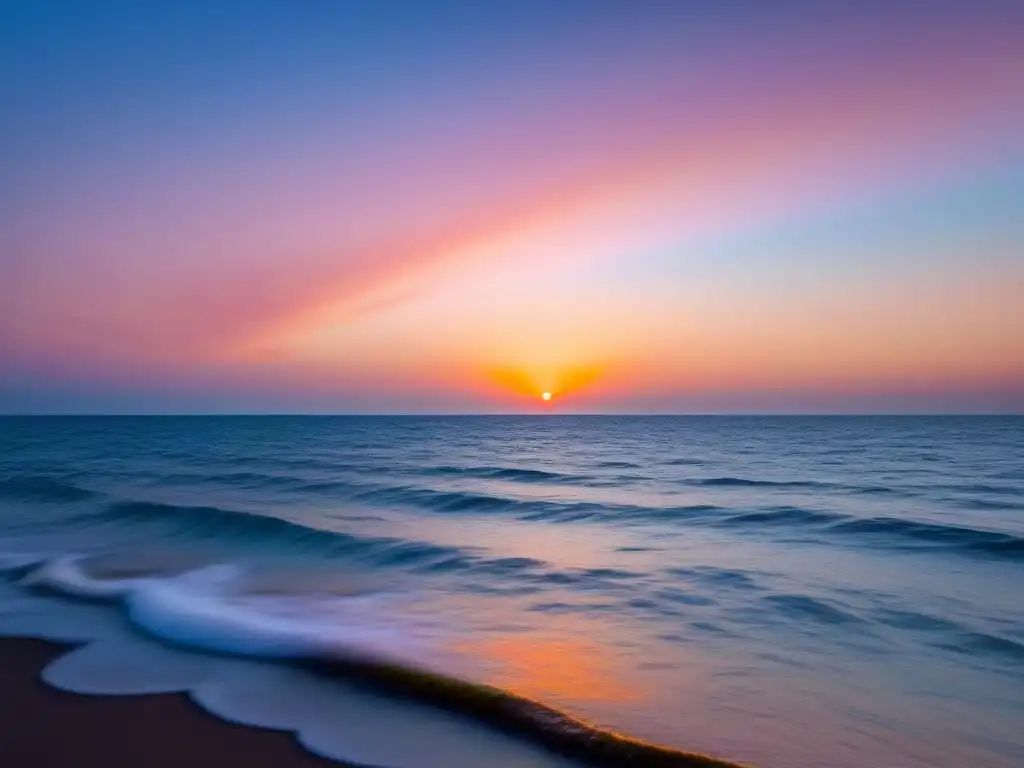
(209, 609)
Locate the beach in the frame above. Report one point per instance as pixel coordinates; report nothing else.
(44, 726)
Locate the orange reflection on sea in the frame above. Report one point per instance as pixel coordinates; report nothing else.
(554, 669)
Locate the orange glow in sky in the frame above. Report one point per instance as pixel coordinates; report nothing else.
(693, 224)
(544, 381)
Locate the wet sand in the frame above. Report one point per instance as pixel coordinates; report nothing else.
(41, 727)
(44, 726)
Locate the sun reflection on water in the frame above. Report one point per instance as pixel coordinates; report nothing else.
(555, 668)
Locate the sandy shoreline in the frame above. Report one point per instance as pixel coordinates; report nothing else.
(45, 726)
(49, 728)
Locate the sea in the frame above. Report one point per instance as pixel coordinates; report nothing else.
(786, 592)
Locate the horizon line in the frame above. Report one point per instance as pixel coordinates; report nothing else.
(681, 414)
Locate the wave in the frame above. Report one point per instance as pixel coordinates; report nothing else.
(528, 509)
(880, 490)
(781, 516)
(208, 608)
(226, 524)
(205, 609)
(1006, 490)
(41, 488)
(804, 606)
(239, 479)
(328, 487)
(258, 461)
(981, 642)
(740, 482)
(890, 531)
(438, 501)
(968, 539)
(992, 504)
(508, 473)
(232, 526)
(64, 575)
(263, 481)
(948, 634)
(19, 563)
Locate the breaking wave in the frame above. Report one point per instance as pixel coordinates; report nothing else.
(354, 638)
(41, 488)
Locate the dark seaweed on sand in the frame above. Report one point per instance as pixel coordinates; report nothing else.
(514, 714)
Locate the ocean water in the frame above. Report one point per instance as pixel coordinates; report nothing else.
(789, 592)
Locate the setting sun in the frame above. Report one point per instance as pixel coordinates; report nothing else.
(546, 396)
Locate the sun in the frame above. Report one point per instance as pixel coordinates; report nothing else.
(545, 395)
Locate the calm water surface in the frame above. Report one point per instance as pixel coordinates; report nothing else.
(792, 592)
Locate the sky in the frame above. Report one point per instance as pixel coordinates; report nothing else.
(449, 206)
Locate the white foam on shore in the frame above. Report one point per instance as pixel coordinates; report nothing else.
(209, 610)
(24, 614)
(128, 665)
(342, 722)
(64, 574)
